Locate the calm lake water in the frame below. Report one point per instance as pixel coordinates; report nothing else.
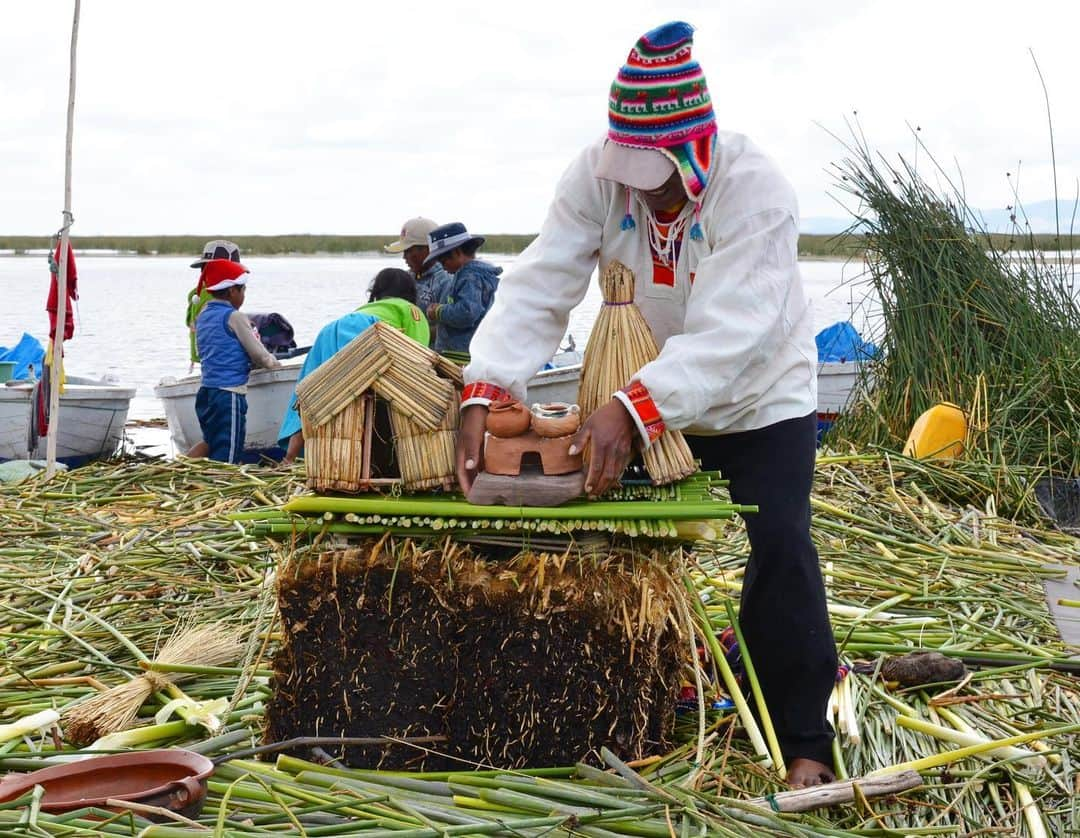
(130, 314)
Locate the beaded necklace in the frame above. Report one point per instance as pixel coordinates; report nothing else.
(665, 243)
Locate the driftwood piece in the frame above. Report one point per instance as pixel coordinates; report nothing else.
(843, 791)
(526, 489)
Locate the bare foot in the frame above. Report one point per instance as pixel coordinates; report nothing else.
(802, 773)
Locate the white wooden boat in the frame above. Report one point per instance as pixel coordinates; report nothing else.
(91, 421)
(269, 393)
(836, 385)
(836, 382)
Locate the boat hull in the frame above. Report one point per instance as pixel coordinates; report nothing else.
(836, 385)
(269, 392)
(90, 425)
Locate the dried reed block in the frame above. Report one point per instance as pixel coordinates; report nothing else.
(537, 660)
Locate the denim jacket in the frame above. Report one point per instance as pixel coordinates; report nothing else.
(430, 286)
(466, 298)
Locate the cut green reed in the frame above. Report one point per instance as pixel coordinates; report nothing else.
(903, 569)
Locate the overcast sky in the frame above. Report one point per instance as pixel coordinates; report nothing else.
(233, 117)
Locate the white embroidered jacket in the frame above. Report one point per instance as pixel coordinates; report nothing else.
(737, 343)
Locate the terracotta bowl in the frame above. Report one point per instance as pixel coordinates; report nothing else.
(555, 419)
(508, 418)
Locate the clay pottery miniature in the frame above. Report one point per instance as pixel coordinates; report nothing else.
(507, 418)
(555, 419)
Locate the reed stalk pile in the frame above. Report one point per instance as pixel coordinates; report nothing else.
(114, 555)
(994, 331)
(620, 344)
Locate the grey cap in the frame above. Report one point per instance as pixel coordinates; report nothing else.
(218, 249)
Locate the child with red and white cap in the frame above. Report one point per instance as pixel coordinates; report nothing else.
(228, 347)
(199, 296)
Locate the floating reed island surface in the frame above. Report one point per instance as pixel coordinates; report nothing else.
(100, 566)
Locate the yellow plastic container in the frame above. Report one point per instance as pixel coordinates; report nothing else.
(938, 434)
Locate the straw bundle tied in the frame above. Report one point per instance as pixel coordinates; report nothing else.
(620, 344)
(115, 709)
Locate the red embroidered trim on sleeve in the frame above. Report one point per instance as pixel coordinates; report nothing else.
(480, 392)
(645, 408)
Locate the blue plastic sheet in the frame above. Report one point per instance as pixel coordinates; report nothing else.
(842, 342)
(28, 351)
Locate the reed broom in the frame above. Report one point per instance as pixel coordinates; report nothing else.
(115, 709)
(620, 344)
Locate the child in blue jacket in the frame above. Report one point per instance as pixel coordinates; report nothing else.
(468, 294)
(228, 347)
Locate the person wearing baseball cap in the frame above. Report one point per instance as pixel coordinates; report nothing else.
(709, 227)
(199, 296)
(431, 279)
(229, 347)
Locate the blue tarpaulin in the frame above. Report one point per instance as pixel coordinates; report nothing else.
(842, 342)
(28, 351)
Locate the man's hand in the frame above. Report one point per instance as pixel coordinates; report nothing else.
(470, 444)
(610, 434)
(432, 310)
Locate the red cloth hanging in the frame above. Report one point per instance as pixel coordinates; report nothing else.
(72, 294)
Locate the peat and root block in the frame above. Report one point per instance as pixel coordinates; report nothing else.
(522, 659)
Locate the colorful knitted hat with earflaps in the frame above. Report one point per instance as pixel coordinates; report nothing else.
(659, 100)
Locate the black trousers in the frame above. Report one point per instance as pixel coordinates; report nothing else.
(782, 613)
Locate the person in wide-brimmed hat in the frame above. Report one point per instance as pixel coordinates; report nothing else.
(469, 292)
(709, 227)
(431, 279)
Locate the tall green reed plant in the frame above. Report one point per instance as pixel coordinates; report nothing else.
(994, 331)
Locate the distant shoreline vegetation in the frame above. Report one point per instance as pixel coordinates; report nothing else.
(810, 246)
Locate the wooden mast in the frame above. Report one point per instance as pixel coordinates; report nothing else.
(62, 277)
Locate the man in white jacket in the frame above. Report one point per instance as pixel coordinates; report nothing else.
(709, 227)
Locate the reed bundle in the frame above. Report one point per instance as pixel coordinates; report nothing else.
(619, 345)
(964, 320)
(116, 708)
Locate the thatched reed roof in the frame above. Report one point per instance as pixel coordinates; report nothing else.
(415, 381)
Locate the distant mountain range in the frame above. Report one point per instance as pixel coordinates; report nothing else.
(1039, 215)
